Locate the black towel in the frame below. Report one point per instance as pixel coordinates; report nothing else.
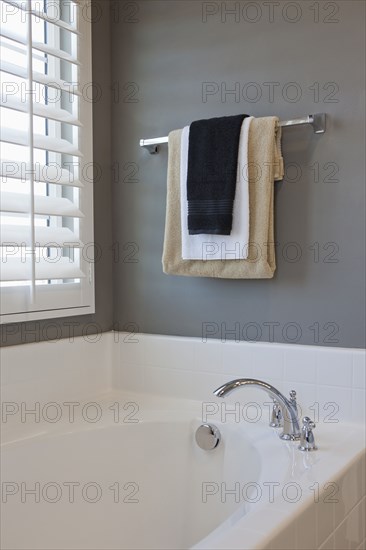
(212, 174)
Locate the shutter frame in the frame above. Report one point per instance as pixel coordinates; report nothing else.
(64, 298)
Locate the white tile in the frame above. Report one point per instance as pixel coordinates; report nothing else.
(329, 544)
(340, 537)
(172, 353)
(350, 490)
(157, 351)
(361, 466)
(340, 505)
(350, 518)
(301, 364)
(356, 526)
(268, 361)
(358, 406)
(181, 384)
(359, 369)
(132, 350)
(286, 539)
(324, 520)
(53, 371)
(239, 539)
(306, 529)
(335, 404)
(335, 367)
(207, 356)
(237, 359)
(129, 377)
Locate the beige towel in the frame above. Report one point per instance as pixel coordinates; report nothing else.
(265, 166)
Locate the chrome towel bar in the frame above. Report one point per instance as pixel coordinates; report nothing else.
(317, 121)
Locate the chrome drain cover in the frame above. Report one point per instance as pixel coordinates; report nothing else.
(208, 437)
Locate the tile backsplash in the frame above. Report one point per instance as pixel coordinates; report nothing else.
(330, 383)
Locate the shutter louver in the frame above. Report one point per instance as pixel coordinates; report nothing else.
(22, 4)
(39, 78)
(18, 270)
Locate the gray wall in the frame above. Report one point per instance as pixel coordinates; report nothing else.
(87, 324)
(162, 53)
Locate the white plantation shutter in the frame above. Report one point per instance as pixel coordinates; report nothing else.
(46, 204)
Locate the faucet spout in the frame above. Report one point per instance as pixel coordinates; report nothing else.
(291, 428)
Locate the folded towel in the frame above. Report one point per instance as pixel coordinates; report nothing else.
(265, 165)
(219, 247)
(211, 177)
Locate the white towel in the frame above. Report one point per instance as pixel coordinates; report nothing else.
(219, 247)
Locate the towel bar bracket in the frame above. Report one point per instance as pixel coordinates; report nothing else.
(153, 149)
(317, 121)
(151, 145)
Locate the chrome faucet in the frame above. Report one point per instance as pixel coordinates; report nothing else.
(291, 428)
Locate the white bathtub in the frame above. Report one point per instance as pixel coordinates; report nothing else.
(139, 485)
(144, 483)
(138, 480)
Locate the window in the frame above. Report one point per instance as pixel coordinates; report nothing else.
(46, 174)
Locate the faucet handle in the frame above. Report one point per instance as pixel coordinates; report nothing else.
(308, 423)
(276, 416)
(307, 441)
